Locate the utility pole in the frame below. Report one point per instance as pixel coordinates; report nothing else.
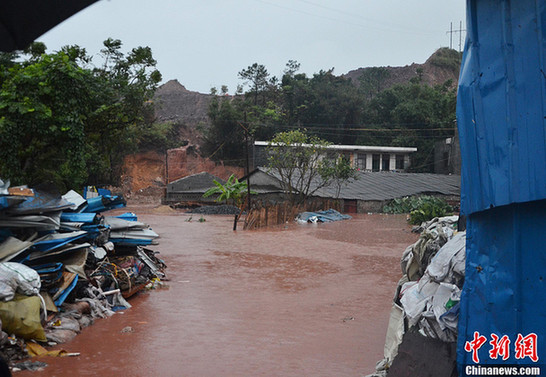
(460, 34)
(245, 128)
(450, 35)
(451, 32)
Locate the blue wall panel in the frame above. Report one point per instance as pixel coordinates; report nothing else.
(501, 113)
(505, 286)
(501, 104)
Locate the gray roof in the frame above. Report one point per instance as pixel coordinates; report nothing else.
(390, 185)
(196, 183)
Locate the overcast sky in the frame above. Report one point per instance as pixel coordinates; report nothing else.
(205, 43)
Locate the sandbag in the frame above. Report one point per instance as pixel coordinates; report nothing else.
(21, 316)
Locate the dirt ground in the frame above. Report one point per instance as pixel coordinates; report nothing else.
(298, 300)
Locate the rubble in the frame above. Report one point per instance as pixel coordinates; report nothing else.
(64, 264)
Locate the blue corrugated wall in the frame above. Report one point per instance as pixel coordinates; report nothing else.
(501, 113)
(501, 104)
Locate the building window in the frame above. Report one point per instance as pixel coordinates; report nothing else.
(385, 166)
(361, 162)
(376, 158)
(399, 162)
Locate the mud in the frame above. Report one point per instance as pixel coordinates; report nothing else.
(298, 300)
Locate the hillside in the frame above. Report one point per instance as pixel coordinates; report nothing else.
(174, 103)
(441, 66)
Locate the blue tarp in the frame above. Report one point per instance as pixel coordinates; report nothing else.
(321, 216)
(501, 110)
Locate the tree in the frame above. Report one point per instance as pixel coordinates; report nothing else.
(224, 137)
(421, 113)
(337, 172)
(372, 80)
(329, 105)
(233, 192)
(64, 122)
(296, 159)
(257, 77)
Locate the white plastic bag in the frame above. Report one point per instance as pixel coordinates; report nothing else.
(16, 277)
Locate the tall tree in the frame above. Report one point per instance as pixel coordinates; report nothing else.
(257, 77)
(372, 81)
(224, 137)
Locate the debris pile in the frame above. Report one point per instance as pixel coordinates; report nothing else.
(428, 294)
(63, 264)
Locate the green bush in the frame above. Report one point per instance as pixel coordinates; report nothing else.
(446, 58)
(420, 208)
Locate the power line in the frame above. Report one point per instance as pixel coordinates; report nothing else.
(345, 22)
(401, 27)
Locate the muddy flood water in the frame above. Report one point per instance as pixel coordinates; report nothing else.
(298, 300)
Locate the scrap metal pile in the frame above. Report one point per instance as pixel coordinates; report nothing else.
(63, 264)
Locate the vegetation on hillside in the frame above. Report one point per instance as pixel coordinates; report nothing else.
(68, 122)
(447, 58)
(333, 108)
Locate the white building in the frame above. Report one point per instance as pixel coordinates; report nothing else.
(364, 158)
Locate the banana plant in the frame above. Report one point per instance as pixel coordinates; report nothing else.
(232, 192)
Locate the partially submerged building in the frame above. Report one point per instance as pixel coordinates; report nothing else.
(190, 189)
(368, 193)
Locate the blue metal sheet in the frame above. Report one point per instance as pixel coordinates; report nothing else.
(59, 301)
(129, 216)
(40, 203)
(501, 104)
(505, 283)
(501, 116)
(72, 217)
(104, 203)
(55, 240)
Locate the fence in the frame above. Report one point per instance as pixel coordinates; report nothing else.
(264, 215)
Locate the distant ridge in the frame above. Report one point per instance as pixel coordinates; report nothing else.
(441, 66)
(174, 103)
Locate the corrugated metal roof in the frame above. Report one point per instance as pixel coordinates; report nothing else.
(390, 185)
(196, 183)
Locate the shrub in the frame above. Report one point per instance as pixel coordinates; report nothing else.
(420, 208)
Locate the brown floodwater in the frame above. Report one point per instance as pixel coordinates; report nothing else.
(297, 300)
